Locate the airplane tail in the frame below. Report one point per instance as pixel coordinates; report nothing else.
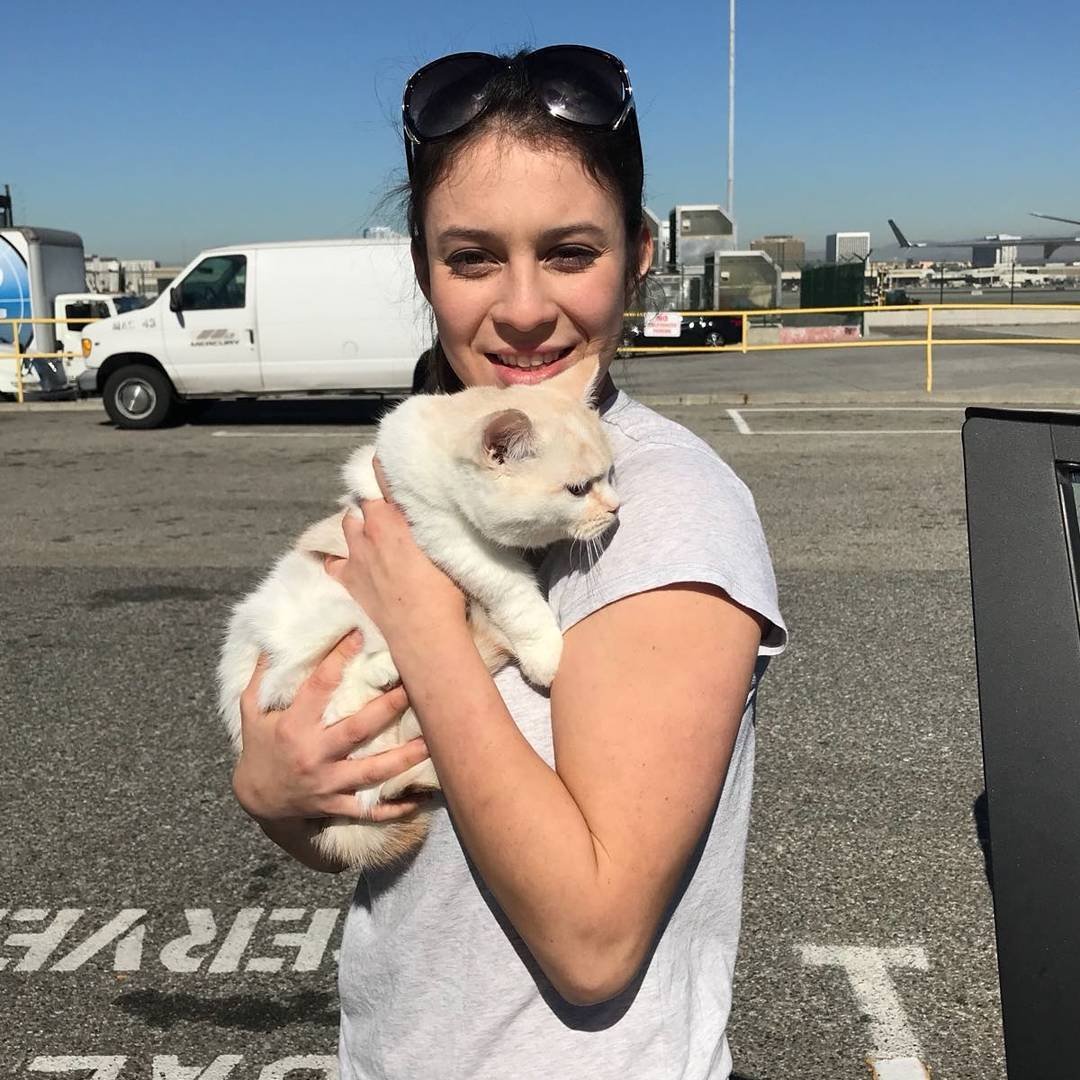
(901, 239)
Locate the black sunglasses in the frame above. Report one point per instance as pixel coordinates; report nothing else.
(581, 85)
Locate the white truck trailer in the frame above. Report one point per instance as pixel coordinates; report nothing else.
(251, 320)
(43, 275)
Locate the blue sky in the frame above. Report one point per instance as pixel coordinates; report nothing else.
(156, 129)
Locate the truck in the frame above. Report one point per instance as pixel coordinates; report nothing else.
(251, 320)
(42, 275)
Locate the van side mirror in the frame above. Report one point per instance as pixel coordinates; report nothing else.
(176, 301)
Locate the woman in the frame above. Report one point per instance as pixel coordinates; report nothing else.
(574, 911)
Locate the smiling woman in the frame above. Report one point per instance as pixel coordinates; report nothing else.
(574, 910)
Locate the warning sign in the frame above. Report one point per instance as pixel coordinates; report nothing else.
(663, 324)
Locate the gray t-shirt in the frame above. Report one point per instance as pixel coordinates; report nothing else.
(433, 978)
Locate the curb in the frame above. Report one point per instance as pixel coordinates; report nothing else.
(51, 406)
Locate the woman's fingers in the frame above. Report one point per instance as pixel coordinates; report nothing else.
(316, 689)
(346, 806)
(377, 715)
(249, 699)
(361, 772)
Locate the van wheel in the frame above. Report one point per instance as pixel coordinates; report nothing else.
(138, 396)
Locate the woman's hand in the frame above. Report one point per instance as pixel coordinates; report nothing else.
(402, 590)
(292, 766)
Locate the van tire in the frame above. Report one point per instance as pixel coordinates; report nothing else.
(138, 396)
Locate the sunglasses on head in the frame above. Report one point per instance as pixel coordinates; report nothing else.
(575, 83)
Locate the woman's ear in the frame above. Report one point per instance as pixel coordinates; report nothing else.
(645, 251)
(421, 268)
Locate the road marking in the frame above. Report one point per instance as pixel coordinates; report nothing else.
(865, 431)
(287, 435)
(168, 1067)
(908, 1068)
(740, 424)
(855, 408)
(202, 946)
(867, 970)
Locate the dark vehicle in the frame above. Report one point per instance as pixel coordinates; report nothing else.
(898, 298)
(696, 331)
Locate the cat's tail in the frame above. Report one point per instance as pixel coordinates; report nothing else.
(358, 472)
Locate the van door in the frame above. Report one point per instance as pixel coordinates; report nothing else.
(210, 341)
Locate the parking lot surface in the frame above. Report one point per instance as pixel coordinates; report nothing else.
(146, 919)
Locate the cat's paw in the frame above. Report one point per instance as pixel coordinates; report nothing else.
(538, 656)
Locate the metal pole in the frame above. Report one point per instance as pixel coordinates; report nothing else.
(731, 115)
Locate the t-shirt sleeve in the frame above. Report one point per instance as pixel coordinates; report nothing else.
(684, 517)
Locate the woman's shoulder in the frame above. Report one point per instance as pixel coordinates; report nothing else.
(684, 516)
(657, 457)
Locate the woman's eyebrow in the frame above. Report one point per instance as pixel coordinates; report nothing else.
(548, 236)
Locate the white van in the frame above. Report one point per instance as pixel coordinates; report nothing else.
(258, 319)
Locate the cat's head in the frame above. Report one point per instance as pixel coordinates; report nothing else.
(536, 465)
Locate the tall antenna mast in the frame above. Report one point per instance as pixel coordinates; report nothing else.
(731, 113)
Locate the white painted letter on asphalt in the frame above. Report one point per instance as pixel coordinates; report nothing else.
(867, 969)
(40, 946)
(128, 948)
(176, 954)
(105, 1067)
(168, 1067)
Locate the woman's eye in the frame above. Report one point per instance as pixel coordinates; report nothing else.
(580, 489)
(468, 263)
(574, 258)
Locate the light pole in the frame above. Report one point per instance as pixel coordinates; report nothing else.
(731, 116)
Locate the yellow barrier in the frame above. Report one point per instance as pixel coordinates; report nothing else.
(927, 340)
(19, 356)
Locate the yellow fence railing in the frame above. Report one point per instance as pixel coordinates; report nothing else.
(747, 319)
(19, 356)
(926, 340)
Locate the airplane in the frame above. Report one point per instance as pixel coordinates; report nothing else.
(1049, 244)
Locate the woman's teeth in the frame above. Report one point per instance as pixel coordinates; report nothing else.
(532, 360)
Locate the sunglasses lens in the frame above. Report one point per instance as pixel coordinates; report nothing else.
(448, 93)
(579, 84)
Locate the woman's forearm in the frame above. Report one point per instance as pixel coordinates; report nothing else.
(293, 836)
(518, 820)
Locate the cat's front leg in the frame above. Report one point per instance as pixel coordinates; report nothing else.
(531, 629)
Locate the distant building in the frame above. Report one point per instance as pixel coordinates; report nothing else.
(141, 277)
(992, 255)
(658, 230)
(788, 252)
(697, 231)
(841, 247)
(379, 232)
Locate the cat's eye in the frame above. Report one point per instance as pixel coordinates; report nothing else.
(580, 489)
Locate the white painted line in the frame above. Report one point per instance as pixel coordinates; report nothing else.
(741, 425)
(867, 970)
(857, 408)
(866, 431)
(286, 435)
(907, 1068)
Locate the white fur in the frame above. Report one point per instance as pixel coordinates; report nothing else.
(472, 512)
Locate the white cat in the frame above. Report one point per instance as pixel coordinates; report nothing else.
(482, 475)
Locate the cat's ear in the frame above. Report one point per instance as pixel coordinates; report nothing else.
(580, 381)
(508, 436)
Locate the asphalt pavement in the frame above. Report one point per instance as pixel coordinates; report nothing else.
(150, 929)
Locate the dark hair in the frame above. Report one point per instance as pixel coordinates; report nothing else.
(611, 158)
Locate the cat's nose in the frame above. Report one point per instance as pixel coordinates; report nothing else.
(610, 502)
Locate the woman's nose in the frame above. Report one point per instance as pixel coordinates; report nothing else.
(523, 306)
